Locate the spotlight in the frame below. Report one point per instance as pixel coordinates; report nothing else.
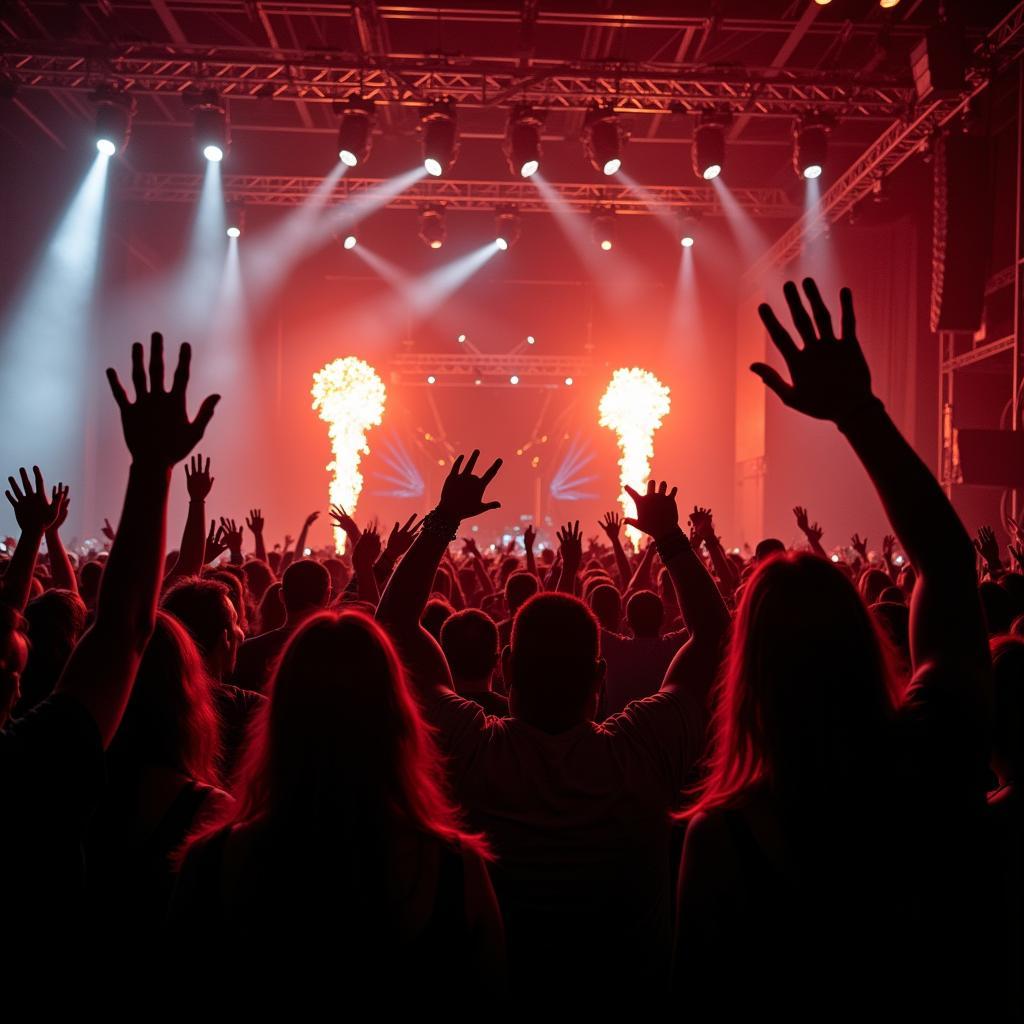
(687, 232)
(602, 226)
(355, 133)
(602, 139)
(568, 382)
(350, 241)
(440, 137)
(887, 4)
(461, 339)
(522, 141)
(708, 152)
(234, 215)
(114, 112)
(210, 129)
(810, 149)
(234, 232)
(531, 340)
(514, 379)
(432, 229)
(507, 227)
(431, 379)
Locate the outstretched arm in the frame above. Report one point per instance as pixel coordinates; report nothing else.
(830, 380)
(570, 545)
(408, 590)
(255, 523)
(529, 537)
(612, 526)
(812, 531)
(35, 515)
(363, 557)
(158, 432)
(192, 553)
(704, 530)
(695, 665)
(61, 571)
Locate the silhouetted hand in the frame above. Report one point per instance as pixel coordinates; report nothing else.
(60, 495)
(255, 521)
(343, 521)
(400, 539)
(829, 376)
(311, 519)
(462, 494)
(215, 543)
(1017, 550)
(1014, 526)
(988, 547)
(366, 549)
(156, 426)
(198, 478)
(570, 544)
(31, 509)
(529, 536)
(612, 525)
(812, 531)
(860, 545)
(232, 535)
(702, 523)
(888, 546)
(469, 548)
(108, 530)
(656, 512)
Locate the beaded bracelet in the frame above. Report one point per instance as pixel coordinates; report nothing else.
(437, 524)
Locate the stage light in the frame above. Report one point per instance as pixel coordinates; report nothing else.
(887, 4)
(234, 219)
(708, 151)
(432, 229)
(431, 379)
(440, 137)
(602, 139)
(810, 149)
(823, 3)
(355, 133)
(210, 129)
(603, 227)
(234, 232)
(350, 241)
(531, 340)
(633, 405)
(686, 241)
(522, 141)
(568, 382)
(478, 382)
(461, 339)
(507, 227)
(687, 232)
(514, 379)
(114, 112)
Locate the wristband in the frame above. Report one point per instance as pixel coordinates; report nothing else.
(437, 524)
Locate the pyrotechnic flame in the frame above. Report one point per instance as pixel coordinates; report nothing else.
(350, 397)
(633, 406)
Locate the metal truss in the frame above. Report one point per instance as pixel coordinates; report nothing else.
(456, 194)
(899, 142)
(251, 73)
(478, 369)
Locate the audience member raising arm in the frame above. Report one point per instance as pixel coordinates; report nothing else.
(255, 523)
(612, 526)
(811, 531)
(159, 434)
(192, 553)
(61, 571)
(35, 515)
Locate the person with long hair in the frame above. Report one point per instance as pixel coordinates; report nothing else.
(162, 778)
(828, 863)
(342, 847)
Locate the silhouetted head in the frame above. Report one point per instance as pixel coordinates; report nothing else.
(892, 595)
(807, 692)
(13, 657)
(553, 664)
(89, 577)
(339, 750)
(519, 588)
(645, 612)
(591, 582)
(509, 564)
(872, 583)
(997, 606)
(435, 614)
(469, 640)
(272, 614)
(233, 577)
(258, 576)
(170, 719)
(606, 604)
(55, 621)
(1008, 707)
(339, 574)
(204, 607)
(547, 556)
(767, 548)
(305, 587)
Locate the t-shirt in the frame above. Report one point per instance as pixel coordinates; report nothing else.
(51, 777)
(636, 667)
(579, 823)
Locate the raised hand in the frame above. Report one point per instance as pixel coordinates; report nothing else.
(812, 531)
(254, 521)
(198, 479)
(830, 378)
(343, 521)
(60, 496)
(400, 539)
(462, 494)
(570, 543)
(529, 536)
(311, 519)
(888, 546)
(656, 512)
(469, 547)
(215, 543)
(108, 530)
(366, 549)
(988, 547)
(156, 426)
(860, 545)
(612, 525)
(701, 521)
(1017, 550)
(232, 535)
(33, 512)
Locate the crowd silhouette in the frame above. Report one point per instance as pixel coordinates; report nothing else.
(422, 772)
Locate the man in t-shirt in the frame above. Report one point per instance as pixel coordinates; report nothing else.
(577, 812)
